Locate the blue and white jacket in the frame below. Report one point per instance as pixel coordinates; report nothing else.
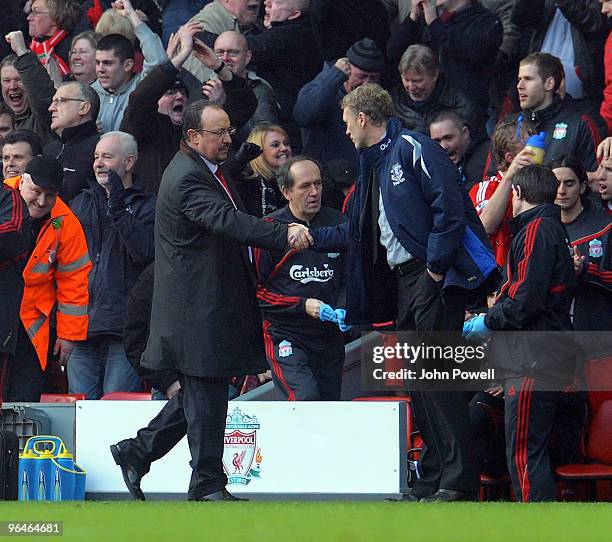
(428, 212)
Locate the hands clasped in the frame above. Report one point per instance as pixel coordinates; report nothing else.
(298, 237)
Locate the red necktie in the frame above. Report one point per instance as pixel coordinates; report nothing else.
(219, 175)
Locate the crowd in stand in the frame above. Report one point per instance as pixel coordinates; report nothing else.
(94, 98)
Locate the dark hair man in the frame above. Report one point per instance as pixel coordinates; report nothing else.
(204, 276)
(18, 149)
(567, 131)
(536, 296)
(115, 63)
(465, 149)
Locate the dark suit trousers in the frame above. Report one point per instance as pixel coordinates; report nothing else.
(200, 410)
(205, 407)
(447, 460)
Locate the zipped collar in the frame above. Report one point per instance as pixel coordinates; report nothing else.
(546, 210)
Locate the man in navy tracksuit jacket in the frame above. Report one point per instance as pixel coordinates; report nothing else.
(536, 296)
(416, 249)
(306, 354)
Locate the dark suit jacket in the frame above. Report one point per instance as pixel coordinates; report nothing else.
(205, 321)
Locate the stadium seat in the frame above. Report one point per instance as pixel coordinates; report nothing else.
(62, 397)
(495, 488)
(596, 472)
(126, 396)
(414, 442)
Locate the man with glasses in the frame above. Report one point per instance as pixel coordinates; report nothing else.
(154, 114)
(205, 322)
(74, 109)
(232, 48)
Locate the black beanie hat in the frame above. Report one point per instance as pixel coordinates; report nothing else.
(46, 172)
(366, 56)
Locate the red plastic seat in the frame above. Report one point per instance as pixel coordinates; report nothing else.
(598, 467)
(62, 397)
(126, 396)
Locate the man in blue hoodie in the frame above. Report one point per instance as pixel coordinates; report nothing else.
(416, 249)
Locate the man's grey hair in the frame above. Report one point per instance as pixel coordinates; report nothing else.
(88, 94)
(128, 142)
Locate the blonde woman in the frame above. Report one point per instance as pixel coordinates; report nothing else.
(258, 189)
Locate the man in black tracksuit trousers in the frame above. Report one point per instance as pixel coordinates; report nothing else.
(306, 354)
(536, 296)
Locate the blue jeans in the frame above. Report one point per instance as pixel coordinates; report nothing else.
(99, 366)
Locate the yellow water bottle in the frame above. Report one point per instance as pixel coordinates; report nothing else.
(537, 145)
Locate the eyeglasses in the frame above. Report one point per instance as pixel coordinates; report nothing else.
(231, 52)
(60, 100)
(36, 13)
(173, 91)
(219, 133)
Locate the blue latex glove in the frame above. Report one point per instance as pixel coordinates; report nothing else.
(476, 330)
(341, 315)
(327, 314)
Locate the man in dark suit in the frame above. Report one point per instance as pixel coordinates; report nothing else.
(205, 321)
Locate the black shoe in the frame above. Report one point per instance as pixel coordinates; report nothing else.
(222, 495)
(131, 477)
(450, 495)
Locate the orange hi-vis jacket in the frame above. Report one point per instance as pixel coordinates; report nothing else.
(56, 274)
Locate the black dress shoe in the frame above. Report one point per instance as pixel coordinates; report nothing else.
(450, 495)
(222, 495)
(131, 477)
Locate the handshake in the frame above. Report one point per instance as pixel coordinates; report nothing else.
(298, 237)
(322, 311)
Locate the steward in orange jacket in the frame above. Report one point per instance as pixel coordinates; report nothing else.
(57, 272)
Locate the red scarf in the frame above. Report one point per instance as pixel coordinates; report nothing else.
(45, 49)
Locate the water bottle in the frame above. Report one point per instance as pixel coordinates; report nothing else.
(537, 145)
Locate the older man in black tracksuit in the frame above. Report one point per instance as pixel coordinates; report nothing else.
(295, 290)
(539, 363)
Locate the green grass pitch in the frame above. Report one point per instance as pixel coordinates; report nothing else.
(318, 521)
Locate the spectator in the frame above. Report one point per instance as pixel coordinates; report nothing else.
(317, 108)
(304, 349)
(112, 22)
(27, 88)
(220, 16)
(118, 223)
(605, 184)
(469, 153)
(55, 279)
(466, 36)
(572, 31)
(74, 110)
(492, 197)
(590, 233)
(114, 67)
(155, 111)
(538, 289)
(259, 189)
(567, 131)
(232, 48)
(424, 92)
(7, 121)
(50, 25)
(83, 57)
(18, 149)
